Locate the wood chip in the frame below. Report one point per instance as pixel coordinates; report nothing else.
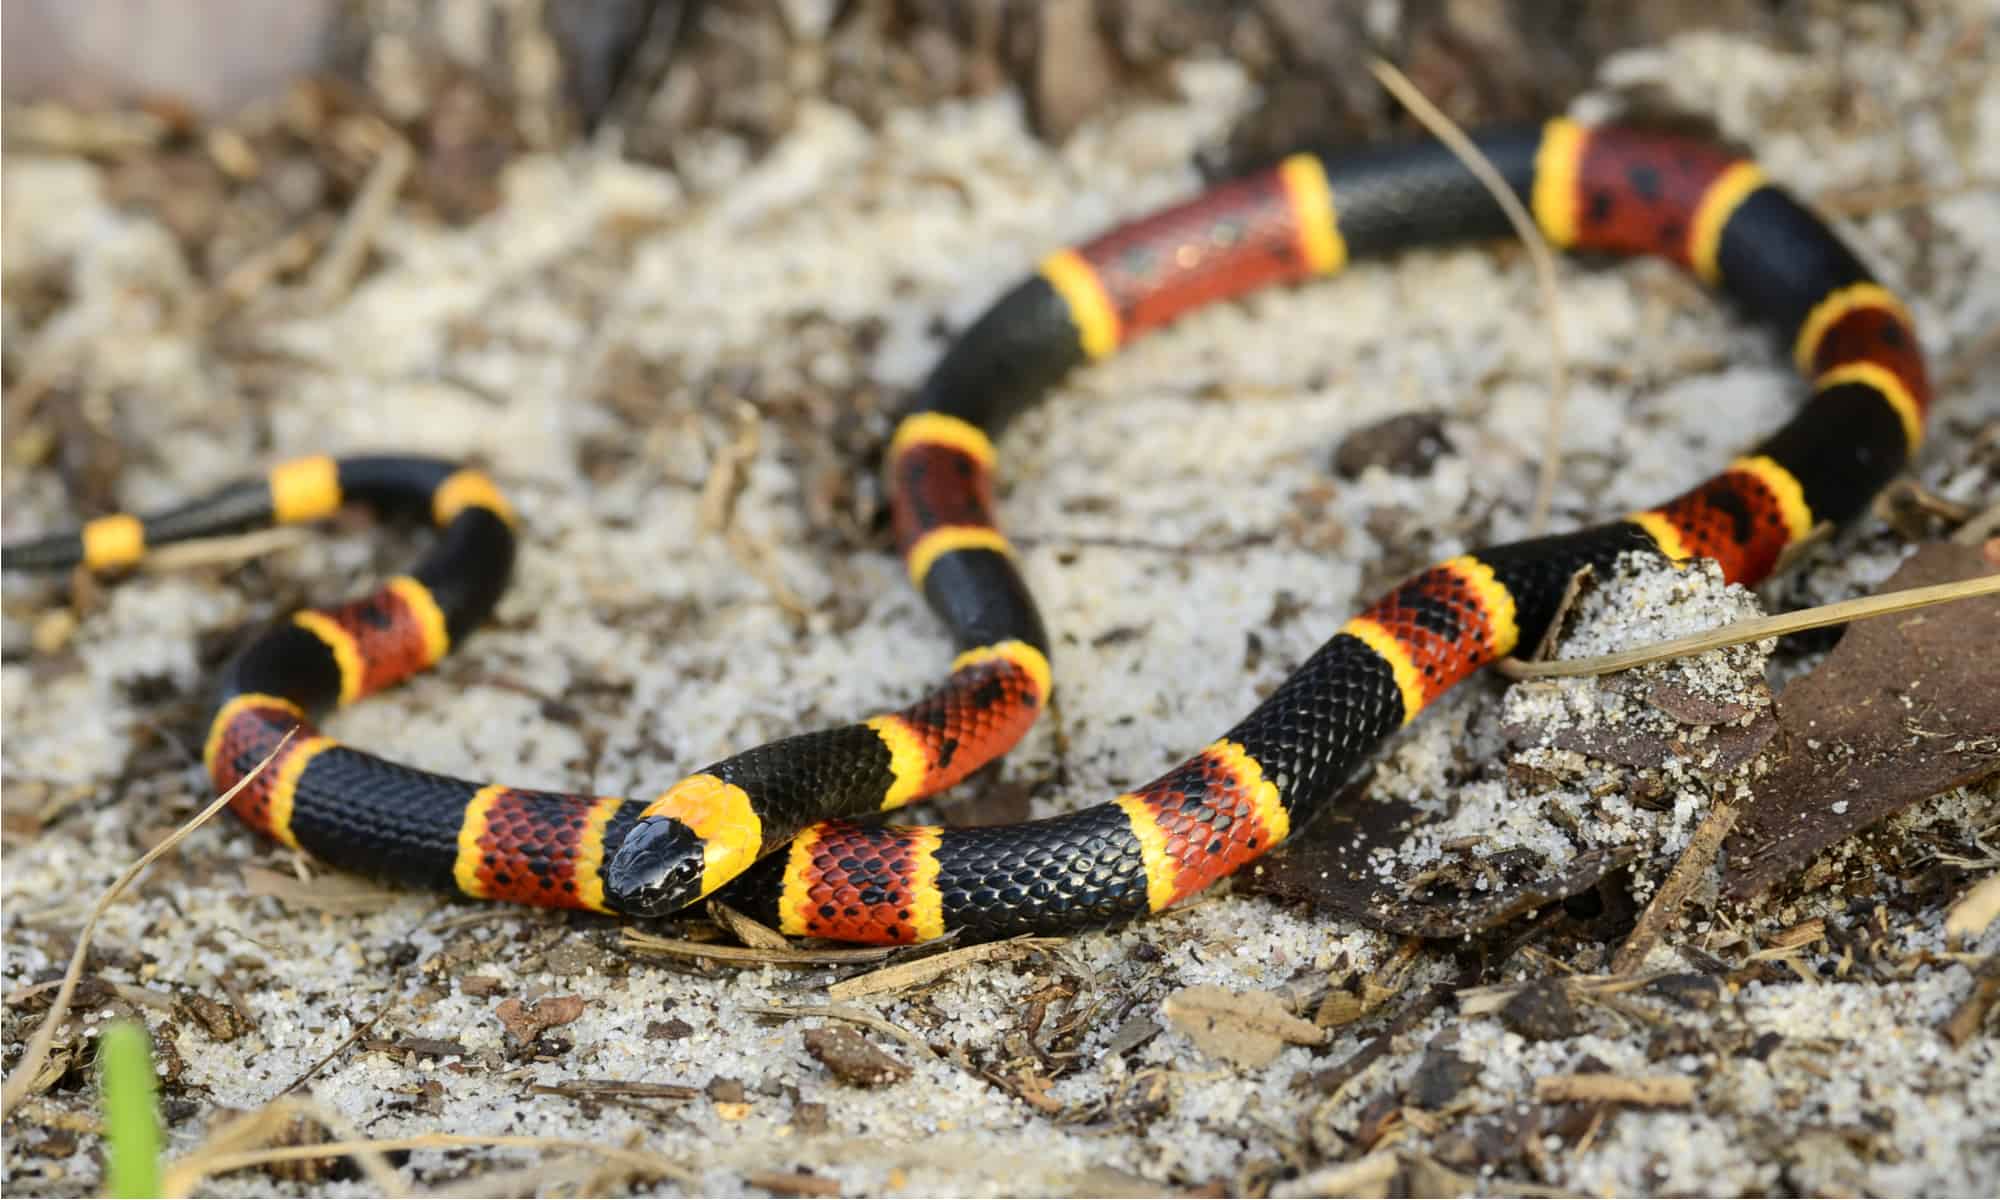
(754, 934)
(852, 1058)
(1543, 1012)
(1790, 940)
(792, 1183)
(416, 1047)
(1343, 1007)
(53, 630)
(1074, 71)
(1971, 1015)
(526, 1022)
(221, 1019)
(479, 985)
(1247, 1029)
(1134, 1032)
(1805, 933)
(1647, 1091)
(1975, 910)
(1365, 1177)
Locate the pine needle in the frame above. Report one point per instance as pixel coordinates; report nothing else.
(1544, 259)
(22, 1080)
(1756, 629)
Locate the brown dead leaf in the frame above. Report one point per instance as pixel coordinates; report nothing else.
(1247, 1029)
(526, 1022)
(1903, 708)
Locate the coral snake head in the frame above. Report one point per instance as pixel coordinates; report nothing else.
(658, 869)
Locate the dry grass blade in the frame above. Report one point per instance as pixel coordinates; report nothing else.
(617, 1087)
(340, 894)
(274, 1120)
(196, 1167)
(725, 484)
(1966, 1021)
(1757, 629)
(1539, 253)
(20, 1082)
(647, 943)
(224, 551)
(1491, 998)
(1370, 1176)
(361, 1030)
(843, 1012)
(1853, 202)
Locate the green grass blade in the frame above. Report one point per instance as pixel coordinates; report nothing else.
(131, 1111)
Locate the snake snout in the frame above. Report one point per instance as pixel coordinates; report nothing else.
(657, 870)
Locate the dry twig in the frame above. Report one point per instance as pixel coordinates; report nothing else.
(334, 274)
(1647, 1091)
(1679, 884)
(846, 1012)
(923, 970)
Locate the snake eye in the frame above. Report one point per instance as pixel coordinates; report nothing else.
(658, 869)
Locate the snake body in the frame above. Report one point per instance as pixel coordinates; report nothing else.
(769, 830)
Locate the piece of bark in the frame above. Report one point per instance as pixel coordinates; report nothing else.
(1332, 866)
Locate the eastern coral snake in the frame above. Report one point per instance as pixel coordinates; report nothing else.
(764, 827)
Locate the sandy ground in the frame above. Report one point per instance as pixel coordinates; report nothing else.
(590, 341)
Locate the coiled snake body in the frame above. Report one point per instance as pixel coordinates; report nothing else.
(765, 827)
